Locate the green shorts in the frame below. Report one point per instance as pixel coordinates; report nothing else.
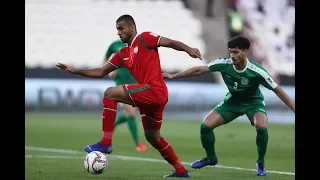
(119, 81)
(230, 110)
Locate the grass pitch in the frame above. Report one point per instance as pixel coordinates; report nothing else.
(54, 150)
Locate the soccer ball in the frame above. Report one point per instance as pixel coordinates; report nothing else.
(95, 162)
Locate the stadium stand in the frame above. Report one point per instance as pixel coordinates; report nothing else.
(78, 32)
(270, 26)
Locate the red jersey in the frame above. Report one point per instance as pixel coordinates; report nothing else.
(141, 58)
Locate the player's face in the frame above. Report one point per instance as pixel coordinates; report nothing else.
(237, 55)
(124, 31)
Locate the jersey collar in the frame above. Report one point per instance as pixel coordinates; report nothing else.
(243, 70)
(133, 40)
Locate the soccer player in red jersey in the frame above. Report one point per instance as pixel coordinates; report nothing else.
(150, 95)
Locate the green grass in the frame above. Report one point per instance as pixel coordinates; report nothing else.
(235, 146)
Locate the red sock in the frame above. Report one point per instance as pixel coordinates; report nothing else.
(109, 114)
(169, 155)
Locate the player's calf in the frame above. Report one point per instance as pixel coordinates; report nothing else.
(166, 151)
(260, 122)
(212, 120)
(109, 113)
(152, 137)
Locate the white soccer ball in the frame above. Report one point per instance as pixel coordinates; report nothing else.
(95, 162)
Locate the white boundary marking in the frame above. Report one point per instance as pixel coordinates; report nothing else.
(128, 158)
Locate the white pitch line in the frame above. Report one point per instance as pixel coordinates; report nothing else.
(128, 158)
(51, 150)
(53, 157)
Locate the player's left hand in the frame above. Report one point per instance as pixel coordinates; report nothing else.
(194, 52)
(167, 76)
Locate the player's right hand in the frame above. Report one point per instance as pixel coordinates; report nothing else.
(167, 76)
(194, 52)
(65, 68)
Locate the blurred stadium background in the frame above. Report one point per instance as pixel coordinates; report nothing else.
(78, 32)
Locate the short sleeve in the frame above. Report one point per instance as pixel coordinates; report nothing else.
(267, 80)
(116, 60)
(220, 64)
(150, 39)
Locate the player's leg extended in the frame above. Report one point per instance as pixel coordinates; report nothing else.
(220, 115)
(130, 115)
(112, 95)
(259, 119)
(152, 120)
(151, 106)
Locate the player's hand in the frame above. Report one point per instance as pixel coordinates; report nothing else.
(194, 52)
(167, 76)
(65, 68)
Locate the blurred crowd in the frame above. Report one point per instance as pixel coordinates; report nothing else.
(270, 25)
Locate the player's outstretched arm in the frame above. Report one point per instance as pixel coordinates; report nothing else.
(114, 63)
(152, 40)
(195, 71)
(93, 73)
(284, 97)
(179, 46)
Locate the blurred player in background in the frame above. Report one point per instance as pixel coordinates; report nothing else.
(123, 76)
(150, 94)
(242, 77)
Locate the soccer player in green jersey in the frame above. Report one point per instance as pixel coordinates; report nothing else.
(242, 77)
(123, 76)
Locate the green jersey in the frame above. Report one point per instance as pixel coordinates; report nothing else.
(114, 47)
(123, 75)
(243, 85)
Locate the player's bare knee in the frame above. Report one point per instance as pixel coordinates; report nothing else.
(260, 124)
(108, 93)
(213, 120)
(260, 120)
(207, 122)
(116, 93)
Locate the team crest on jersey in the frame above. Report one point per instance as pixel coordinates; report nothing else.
(244, 81)
(135, 50)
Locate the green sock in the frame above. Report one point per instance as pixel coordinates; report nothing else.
(262, 143)
(132, 125)
(208, 139)
(120, 119)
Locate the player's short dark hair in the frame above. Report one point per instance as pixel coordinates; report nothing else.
(126, 18)
(239, 42)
